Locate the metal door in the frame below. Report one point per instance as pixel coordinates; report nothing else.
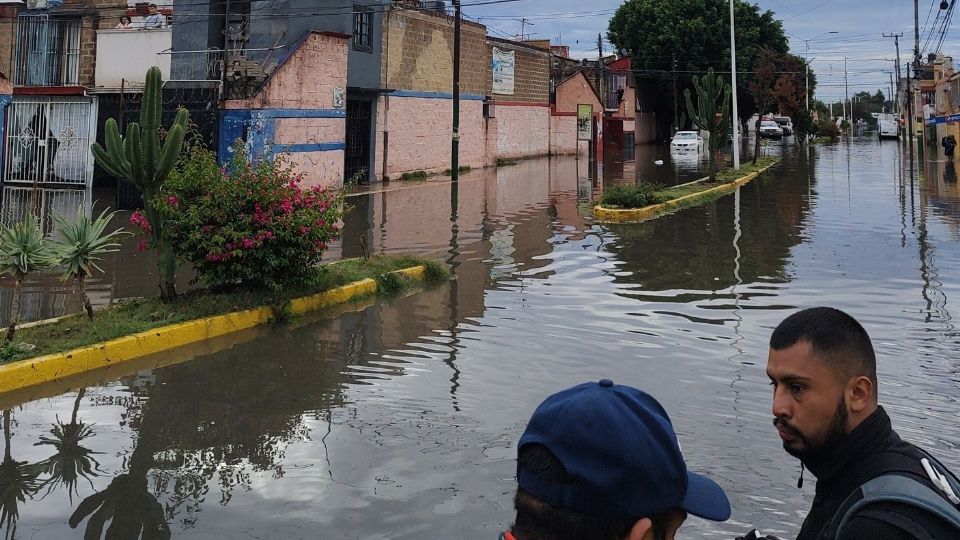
(357, 156)
(48, 165)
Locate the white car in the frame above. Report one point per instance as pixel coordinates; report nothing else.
(687, 141)
(770, 130)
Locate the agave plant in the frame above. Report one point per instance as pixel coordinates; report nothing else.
(18, 480)
(82, 243)
(72, 461)
(23, 249)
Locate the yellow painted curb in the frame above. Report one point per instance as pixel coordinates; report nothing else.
(637, 215)
(23, 374)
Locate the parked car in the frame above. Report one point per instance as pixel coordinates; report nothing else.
(770, 130)
(888, 126)
(785, 123)
(687, 141)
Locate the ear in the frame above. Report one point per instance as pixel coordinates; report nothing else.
(861, 395)
(642, 530)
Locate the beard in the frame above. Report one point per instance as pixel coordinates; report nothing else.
(806, 446)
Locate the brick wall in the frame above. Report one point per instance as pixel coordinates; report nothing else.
(418, 54)
(575, 91)
(531, 72)
(7, 38)
(99, 14)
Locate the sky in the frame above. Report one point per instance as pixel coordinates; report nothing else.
(859, 25)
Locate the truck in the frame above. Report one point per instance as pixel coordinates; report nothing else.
(888, 126)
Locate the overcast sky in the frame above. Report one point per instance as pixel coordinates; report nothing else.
(859, 23)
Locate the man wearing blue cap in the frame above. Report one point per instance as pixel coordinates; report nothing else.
(601, 461)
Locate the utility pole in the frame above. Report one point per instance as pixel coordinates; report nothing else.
(909, 124)
(916, 35)
(455, 143)
(831, 92)
(733, 86)
(602, 65)
(676, 111)
(806, 84)
(846, 90)
(890, 97)
(896, 42)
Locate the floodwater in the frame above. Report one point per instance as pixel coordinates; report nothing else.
(398, 418)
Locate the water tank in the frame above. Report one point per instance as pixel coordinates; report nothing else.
(434, 5)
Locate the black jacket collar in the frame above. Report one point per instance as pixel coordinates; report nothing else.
(873, 435)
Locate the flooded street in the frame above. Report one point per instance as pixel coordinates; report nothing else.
(397, 418)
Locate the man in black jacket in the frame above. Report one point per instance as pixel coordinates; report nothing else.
(824, 376)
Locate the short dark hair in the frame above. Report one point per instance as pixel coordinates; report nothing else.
(834, 336)
(537, 520)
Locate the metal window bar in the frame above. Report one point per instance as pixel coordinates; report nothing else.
(48, 141)
(19, 202)
(47, 51)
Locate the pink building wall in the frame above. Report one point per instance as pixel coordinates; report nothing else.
(420, 134)
(563, 134)
(298, 114)
(522, 131)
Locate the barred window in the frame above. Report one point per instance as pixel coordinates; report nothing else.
(362, 28)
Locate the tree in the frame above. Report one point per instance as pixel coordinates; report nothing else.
(18, 481)
(697, 34)
(761, 89)
(139, 158)
(712, 112)
(82, 243)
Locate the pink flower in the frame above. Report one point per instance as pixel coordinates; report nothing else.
(206, 229)
(286, 205)
(173, 201)
(139, 220)
(248, 243)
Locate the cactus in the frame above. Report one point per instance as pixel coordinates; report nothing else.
(139, 158)
(712, 112)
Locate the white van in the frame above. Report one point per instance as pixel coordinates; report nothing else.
(887, 126)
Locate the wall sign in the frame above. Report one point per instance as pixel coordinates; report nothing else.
(584, 122)
(504, 65)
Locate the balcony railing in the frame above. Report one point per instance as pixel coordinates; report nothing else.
(47, 51)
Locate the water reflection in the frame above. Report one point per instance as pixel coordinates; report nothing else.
(397, 419)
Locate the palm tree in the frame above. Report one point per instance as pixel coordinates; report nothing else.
(23, 249)
(18, 480)
(71, 461)
(82, 243)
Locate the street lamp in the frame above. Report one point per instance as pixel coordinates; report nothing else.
(807, 62)
(733, 77)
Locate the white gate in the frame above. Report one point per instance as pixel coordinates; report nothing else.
(48, 165)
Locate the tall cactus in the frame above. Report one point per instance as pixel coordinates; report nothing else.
(141, 159)
(712, 112)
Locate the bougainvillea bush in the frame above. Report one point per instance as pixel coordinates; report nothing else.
(250, 224)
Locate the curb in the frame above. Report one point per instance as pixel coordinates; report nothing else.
(24, 374)
(638, 215)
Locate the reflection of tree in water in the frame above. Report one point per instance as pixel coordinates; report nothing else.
(18, 481)
(71, 461)
(205, 425)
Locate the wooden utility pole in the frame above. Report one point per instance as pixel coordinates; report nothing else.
(455, 143)
(676, 112)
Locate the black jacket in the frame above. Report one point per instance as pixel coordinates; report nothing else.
(855, 459)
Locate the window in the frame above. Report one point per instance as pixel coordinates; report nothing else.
(362, 28)
(47, 51)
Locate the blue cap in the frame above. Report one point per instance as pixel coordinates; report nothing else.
(619, 447)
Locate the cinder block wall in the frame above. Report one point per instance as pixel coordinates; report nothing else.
(523, 117)
(417, 64)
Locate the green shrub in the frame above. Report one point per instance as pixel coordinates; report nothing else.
(631, 196)
(414, 175)
(249, 224)
(828, 128)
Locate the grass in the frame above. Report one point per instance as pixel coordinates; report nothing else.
(414, 175)
(133, 316)
(639, 196)
(462, 169)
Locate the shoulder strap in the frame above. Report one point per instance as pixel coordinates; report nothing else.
(892, 469)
